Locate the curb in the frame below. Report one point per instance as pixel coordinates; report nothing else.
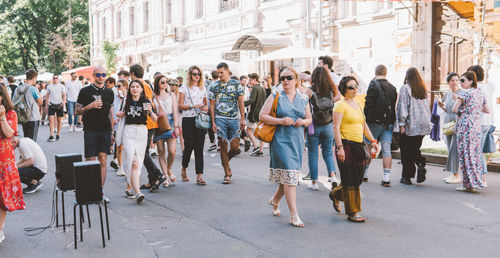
(442, 159)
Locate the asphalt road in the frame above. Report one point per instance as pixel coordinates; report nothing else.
(188, 220)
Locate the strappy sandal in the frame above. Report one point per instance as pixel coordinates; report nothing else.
(356, 218)
(276, 212)
(226, 180)
(172, 178)
(296, 222)
(201, 181)
(335, 202)
(184, 176)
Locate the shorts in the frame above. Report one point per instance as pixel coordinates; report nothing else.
(227, 128)
(56, 109)
(167, 134)
(251, 125)
(96, 142)
(384, 135)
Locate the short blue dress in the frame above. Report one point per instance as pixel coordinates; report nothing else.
(287, 146)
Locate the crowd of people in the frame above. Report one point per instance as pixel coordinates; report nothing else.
(129, 115)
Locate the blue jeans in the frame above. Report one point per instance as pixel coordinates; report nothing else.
(383, 135)
(227, 128)
(484, 131)
(72, 116)
(323, 134)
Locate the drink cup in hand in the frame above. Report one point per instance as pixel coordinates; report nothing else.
(147, 107)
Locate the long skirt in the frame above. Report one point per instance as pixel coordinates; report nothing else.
(135, 140)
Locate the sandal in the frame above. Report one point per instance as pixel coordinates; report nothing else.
(155, 186)
(201, 181)
(356, 218)
(184, 175)
(336, 203)
(165, 184)
(226, 180)
(296, 222)
(276, 210)
(172, 178)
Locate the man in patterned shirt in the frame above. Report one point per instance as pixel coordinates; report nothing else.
(226, 100)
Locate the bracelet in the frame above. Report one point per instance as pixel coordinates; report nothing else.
(375, 141)
(339, 147)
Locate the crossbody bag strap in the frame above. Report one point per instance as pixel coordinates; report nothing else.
(189, 93)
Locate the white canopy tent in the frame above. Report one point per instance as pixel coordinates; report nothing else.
(194, 56)
(41, 77)
(293, 52)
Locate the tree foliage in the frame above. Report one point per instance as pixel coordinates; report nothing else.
(110, 55)
(28, 27)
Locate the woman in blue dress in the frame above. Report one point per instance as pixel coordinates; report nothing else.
(287, 145)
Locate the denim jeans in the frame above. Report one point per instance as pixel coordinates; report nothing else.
(484, 131)
(72, 117)
(323, 134)
(227, 128)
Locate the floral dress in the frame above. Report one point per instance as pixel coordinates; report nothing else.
(287, 146)
(469, 137)
(11, 193)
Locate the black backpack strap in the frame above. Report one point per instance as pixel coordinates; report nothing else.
(381, 92)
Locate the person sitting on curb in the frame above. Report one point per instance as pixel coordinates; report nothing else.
(32, 166)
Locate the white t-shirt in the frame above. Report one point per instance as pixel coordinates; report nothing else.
(197, 94)
(72, 90)
(488, 90)
(335, 78)
(56, 92)
(30, 149)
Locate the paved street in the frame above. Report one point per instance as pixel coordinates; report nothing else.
(187, 220)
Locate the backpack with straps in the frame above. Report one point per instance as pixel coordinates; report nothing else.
(22, 108)
(322, 109)
(383, 107)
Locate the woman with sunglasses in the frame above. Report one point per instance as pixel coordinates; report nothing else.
(11, 195)
(414, 119)
(287, 146)
(192, 100)
(446, 104)
(469, 105)
(166, 102)
(135, 136)
(350, 126)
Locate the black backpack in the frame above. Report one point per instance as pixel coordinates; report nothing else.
(322, 109)
(383, 106)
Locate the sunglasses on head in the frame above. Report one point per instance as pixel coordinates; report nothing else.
(196, 74)
(462, 80)
(288, 78)
(100, 75)
(355, 86)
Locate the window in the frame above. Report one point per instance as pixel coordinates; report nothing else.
(146, 16)
(118, 24)
(168, 13)
(226, 5)
(131, 21)
(199, 9)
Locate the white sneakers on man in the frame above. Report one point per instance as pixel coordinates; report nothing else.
(313, 187)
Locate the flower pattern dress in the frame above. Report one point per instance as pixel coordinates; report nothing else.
(469, 137)
(11, 193)
(287, 146)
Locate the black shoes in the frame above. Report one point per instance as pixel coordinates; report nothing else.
(385, 183)
(405, 181)
(57, 137)
(32, 188)
(247, 146)
(421, 171)
(51, 139)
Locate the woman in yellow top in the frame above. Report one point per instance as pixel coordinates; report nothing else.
(349, 126)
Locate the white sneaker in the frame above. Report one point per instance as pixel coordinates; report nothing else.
(485, 185)
(139, 197)
(313, 187)
(449, 177)
(2, 236)
(453, 180)
(120, 172)
(387, 177)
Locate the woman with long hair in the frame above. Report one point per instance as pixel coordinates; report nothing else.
(350, 126)
(135, 136)
(469, 105)
(267, 84)
(414, 120)
(192, 100)
(166, 104)
(287, 146)
(321, 97)
(11, 195)
(122, 88)
(446, 104)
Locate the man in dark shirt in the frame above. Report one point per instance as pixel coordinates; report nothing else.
(12, 85)
(380, 116)
(255, 101)
(95, 104)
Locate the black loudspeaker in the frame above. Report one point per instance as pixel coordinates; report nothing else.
(64, 170)
(88, 182)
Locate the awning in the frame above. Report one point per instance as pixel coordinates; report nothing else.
(463, 8)
(86, 71)
(260, 41)
(294, 53)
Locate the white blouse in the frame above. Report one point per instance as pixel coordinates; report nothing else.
(166, 104)
(194, 96)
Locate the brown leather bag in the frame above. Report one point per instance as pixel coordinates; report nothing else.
(163, 123)
(265, 132)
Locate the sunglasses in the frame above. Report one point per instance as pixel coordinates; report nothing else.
(196, 74)
(100, 75)
(462, 80)
(55, 78)
(288, 78)
(163, 82)
(355, 86)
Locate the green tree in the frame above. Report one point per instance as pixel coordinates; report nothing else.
(110, 55)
